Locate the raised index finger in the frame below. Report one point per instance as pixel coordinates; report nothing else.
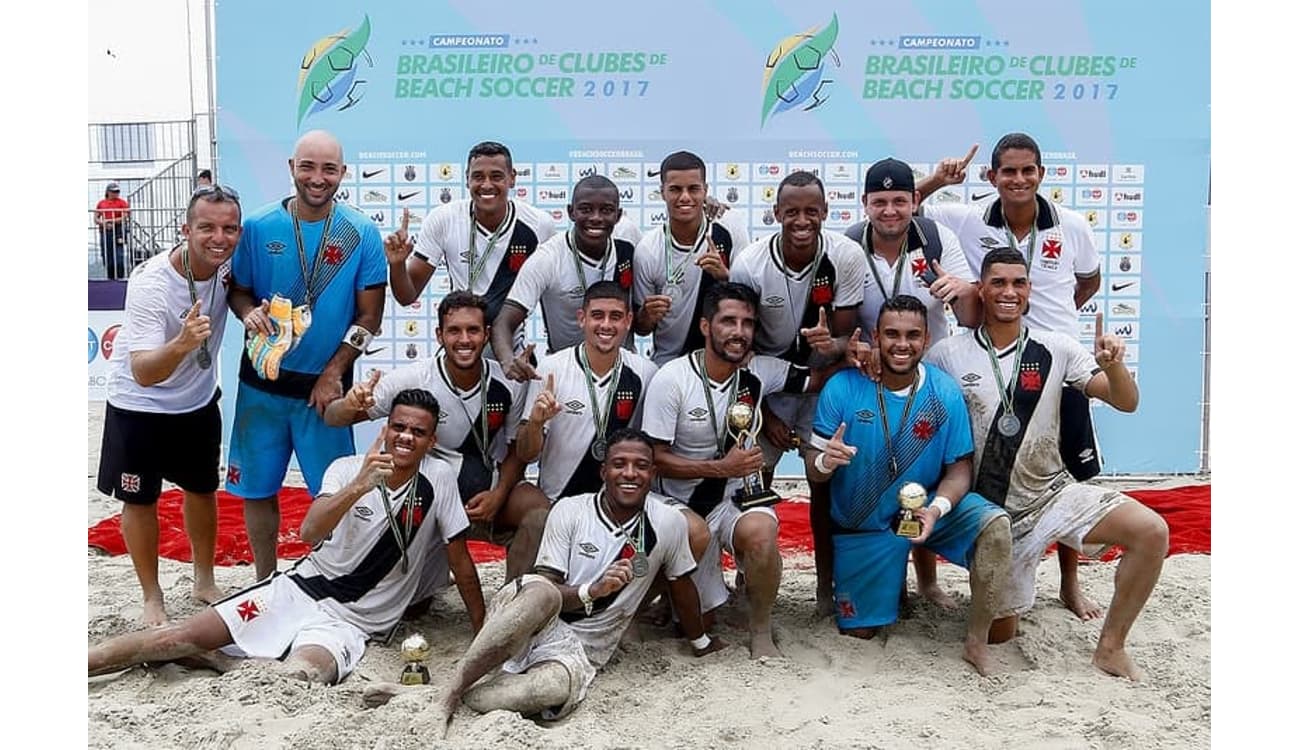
(194, 311)
(550, 382)
(378, 445)
(406, 218)
(839, 433)
(970, 155)
(821, 318)
(374, 379)
(1096, 331)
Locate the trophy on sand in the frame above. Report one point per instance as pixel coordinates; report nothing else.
(415, 650)
(911, 497)
(743, 423)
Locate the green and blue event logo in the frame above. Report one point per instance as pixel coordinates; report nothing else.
(796, 68)
(328, 77)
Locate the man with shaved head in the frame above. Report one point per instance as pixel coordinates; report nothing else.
(308, 283)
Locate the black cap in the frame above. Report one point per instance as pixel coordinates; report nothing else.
(889, 174)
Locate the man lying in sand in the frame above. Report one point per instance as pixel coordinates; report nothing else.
(379, 521)
(1012, 378)
(550, 631)
(875, 439)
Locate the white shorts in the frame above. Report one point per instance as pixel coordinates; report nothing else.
(555, 642)
(797, 411)
(273, 618)
(722, 522)
(1065, 519)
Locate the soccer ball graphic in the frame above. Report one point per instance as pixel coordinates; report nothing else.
(330, 76)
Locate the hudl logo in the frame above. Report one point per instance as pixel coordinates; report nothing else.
(794, 73)
(328, 76)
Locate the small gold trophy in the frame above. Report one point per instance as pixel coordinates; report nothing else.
(415, 650)
(911, 498)
(744, 422)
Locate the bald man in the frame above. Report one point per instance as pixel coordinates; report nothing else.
(308, 283)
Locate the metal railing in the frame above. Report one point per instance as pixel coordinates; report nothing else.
(147, 232)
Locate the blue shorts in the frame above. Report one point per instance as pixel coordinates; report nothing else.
(267, 429)
(871, 566)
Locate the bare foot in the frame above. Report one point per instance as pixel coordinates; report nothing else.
(379, 693)
(435, 721)
(206, 593)
(977, 653)
(825, 603)
(1074, 600)
(760, 645)
(936, 594)
(1116, 662)
(154, 614)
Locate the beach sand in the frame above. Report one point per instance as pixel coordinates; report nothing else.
(909, 689)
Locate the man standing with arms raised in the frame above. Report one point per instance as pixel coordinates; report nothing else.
(677, 263)
(483, 240)
(323, 262)
(1013, 378)
(162, 419)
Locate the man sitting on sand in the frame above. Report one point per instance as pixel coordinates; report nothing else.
(874, 438)
(378, 520)
(550, 630)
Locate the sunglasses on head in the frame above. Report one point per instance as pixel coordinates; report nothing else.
(214, 189)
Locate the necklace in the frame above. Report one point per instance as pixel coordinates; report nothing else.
(640, 563)
(1008, 423)
(601, 418)
(406, 502)
(310, 280)
(731, 384)
(570, 238)
(786, 273)
(478, 431)
(476, 263)
(884, 419)
(203, 356)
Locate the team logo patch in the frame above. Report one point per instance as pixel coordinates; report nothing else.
(625, 275)
(821, 293)
(232, 475)
(515, 257)
(743, 396)
(1051, 248)
(333, 255)
(627, 552)
(865, 415)
(1030, 378)
(587, 549)
(130, 483)
(846, 608)
(417, 515)
(624, 404)
(923, 429)
(918, 266)
(275, 247)
(248, 610)
(496, 416)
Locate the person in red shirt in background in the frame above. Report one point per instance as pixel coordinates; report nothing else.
(111, 215)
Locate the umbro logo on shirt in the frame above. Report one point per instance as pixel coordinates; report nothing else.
(275, 247)
(991, 242)
(587, 549)
(697, 414)
(774, 301)
(362, 512)
(575, 406)
(865, 415)
(970, 378)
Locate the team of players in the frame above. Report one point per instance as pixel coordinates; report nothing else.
(805, 340)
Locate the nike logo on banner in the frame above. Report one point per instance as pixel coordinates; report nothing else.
(371, 173)
(979, 196)
(1125, 285)
(407, 196)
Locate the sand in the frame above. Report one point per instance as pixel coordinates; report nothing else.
(910, 689)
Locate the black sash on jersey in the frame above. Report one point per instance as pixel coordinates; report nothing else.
(378, 562)
(522, 245)
(999, 451)
(823, 277)
(623, 252)
(627, 399)
(694, 339)
(709, 492)
(602, 603)
(475, 475)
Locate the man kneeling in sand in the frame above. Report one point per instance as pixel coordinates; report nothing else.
(550, 631)
(873, 439)
(378, 521)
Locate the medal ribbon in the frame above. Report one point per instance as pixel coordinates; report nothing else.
(1033, 237)
(600, 419)
(570, 237)
(986, 341)
(481, 440)
(310, 279)
(786, 273)
(899, 264)
(732, 383)
(406, 502)
(673, 274)
(639, 543)
(476, 263)
(884, 419)
(204, 358)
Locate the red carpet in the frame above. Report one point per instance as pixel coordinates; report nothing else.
(1185, 509)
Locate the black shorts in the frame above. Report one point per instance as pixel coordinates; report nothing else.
(141, 449)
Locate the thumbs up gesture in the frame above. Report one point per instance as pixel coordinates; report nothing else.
(945, 286)
(819, 336)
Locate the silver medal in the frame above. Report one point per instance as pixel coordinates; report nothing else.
(640, 565)
(598, 450)
(204, 358)
(1009, 425)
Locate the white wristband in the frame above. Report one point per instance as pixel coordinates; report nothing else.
(584, 594)
(358, 338)
(701, 643)
(819, 463)
(943, 504)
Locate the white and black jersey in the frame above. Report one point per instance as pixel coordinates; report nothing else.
(581, 542)
(356, 573)
(679, 330)
(473, 432)
(551, 278)
(789, 300)
(445, 237)
(566, 466)
(677, 413)
(1016, 472)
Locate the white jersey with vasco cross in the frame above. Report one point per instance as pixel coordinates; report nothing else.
(1059, 248)
(565, 466)
(157, 301)
(678, 332)
(356, 573)
(445, 237)
(465, 418)
(550, 277)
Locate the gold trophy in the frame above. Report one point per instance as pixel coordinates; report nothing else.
(743, 423)
(415, 650)
(911, 498)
